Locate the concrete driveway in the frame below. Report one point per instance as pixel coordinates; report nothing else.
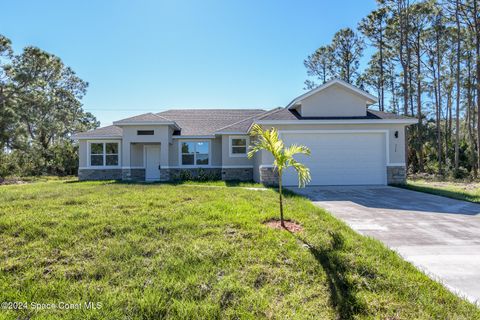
(441, 236)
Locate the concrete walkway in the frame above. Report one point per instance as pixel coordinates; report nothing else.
(441, 236)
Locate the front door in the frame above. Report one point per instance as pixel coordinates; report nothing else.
(152, 163)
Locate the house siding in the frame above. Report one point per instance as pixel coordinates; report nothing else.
(229, 161)
(161, 136)
(136, 155)
(334, 101)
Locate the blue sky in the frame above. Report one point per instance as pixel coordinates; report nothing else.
(142, 56)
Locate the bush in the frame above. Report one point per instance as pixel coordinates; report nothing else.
(61, 159)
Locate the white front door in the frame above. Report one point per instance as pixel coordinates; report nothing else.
(152, 162)
(341, 158)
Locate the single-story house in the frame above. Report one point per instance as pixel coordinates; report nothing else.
(350, 144)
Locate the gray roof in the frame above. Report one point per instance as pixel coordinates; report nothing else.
(146, 117)
(286, 114)
(244, 125)
(198, 122)
(109, 131)
(201, 122)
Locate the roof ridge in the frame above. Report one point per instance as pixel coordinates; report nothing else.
(159, 116)
(271, 112)
(143, 114)
(212, 109)
(252, 117)
(237, 122)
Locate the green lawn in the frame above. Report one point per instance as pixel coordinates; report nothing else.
(469, 191)
(198, 252)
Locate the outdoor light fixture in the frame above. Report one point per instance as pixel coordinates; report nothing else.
(396, 134)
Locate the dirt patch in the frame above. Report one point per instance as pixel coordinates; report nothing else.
(290, 225)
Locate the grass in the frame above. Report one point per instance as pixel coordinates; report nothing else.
(159, 251)
(468, 191)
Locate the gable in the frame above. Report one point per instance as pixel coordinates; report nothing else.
(334, 101)
(335, 98)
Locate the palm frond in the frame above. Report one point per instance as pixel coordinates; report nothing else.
(270, 141)
(296, 149)
(303, 172)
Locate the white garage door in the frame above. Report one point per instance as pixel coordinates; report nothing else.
(340, 158)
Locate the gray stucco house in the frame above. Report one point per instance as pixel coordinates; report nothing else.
(350, 144)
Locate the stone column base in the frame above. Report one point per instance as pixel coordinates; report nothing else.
(268, 176)
(396, 175)
(164, 174)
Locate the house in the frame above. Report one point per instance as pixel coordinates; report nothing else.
(350, 144)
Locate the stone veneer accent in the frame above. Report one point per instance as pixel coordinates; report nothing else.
(268, 176)
(165, 174)
(396, 175)
(240, 174)
(99, 174)
(133, 174)
(191, 173)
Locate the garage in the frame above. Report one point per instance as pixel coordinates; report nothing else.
(340, 157)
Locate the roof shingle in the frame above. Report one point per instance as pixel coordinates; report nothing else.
(107, 132)
(207, 121)
(200, 122)
(146, 117)
(286, 114)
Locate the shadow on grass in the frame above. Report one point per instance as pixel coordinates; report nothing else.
(342, 292)
(229, 183)
(74, 181)
(459, 195)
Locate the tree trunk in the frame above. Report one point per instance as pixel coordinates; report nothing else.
(282, 223)
(439, 103)
(457, 107)
(382, 76)
(394, 92)
(470, 115)
(421, 166)
(437, 115)
(448, 119)
(477, 59)
(403, 26)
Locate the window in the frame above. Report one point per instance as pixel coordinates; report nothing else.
(144, 132)
(195, 153)
(238, 146)
(104, 154)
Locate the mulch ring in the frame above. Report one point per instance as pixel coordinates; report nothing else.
(290, 225)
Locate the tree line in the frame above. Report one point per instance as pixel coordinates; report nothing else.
(40, 108)
(425, 64)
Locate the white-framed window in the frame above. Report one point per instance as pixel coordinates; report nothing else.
(104, 153)
(238, 146)
(194, 153)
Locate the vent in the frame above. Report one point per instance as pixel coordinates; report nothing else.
(145, 132)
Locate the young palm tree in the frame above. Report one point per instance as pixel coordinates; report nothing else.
(283, 157)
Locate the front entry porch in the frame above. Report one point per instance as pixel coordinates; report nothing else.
(145, 161)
